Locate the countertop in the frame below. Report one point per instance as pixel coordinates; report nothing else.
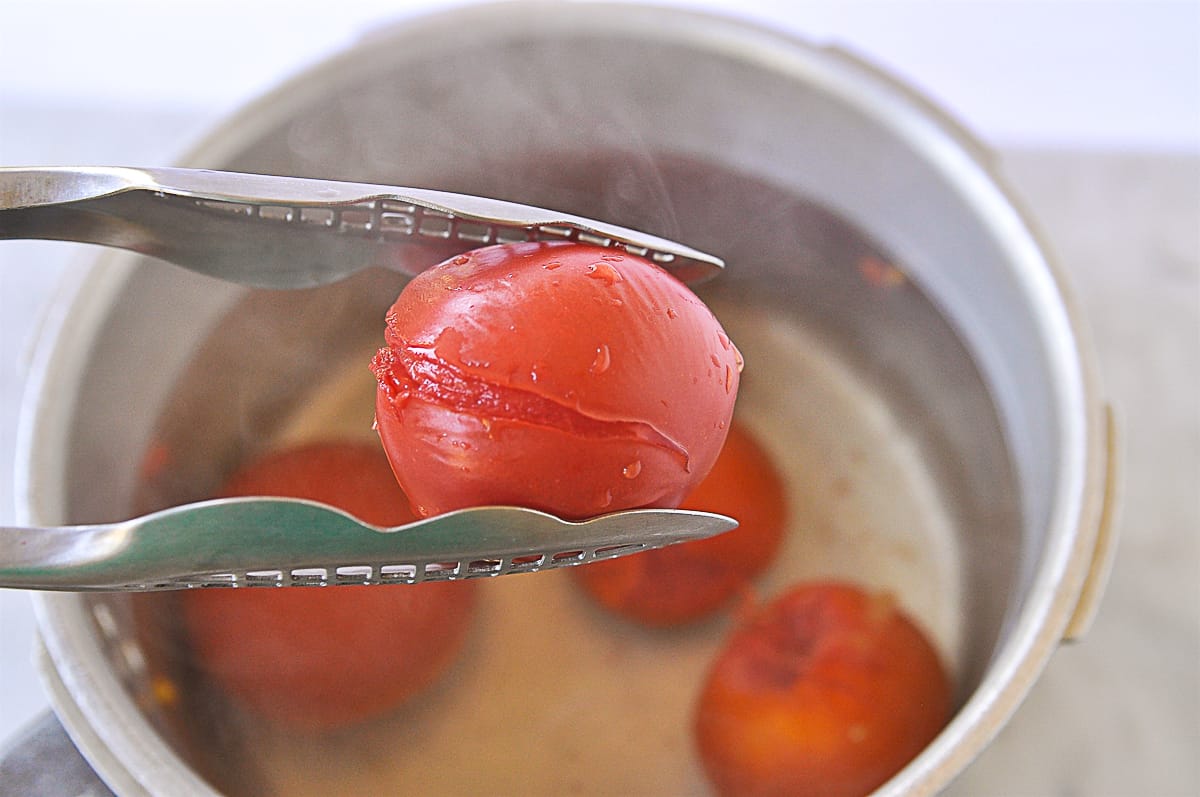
(1118, 713)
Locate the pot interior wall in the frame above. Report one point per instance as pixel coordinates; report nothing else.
(894, 448)
(872, 408)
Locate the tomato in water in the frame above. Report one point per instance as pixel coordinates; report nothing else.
(570, 378)
(828, 690)
(319, 658)
(687, 582)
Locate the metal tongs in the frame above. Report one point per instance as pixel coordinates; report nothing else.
(283, 542)
(285, 232)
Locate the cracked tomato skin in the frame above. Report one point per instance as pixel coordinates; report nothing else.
(570, 378)
(827, 691)
(687, 582)
(314, 659)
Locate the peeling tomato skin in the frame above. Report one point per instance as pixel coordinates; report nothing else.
(475, 467)
(554, 366)
(828, 690)
(314, 659)
(688, 582)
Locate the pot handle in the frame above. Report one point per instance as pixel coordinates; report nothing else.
(43, 760)
(1105, 546)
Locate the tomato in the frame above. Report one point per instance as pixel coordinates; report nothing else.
(570, 378)
(828, 691)
(318, 658)
(689, 581)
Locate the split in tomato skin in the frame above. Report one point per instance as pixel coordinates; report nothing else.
(315, 659)
(687, 582)
(828, 690)
(566, 377)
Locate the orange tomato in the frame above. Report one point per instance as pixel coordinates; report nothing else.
(318, 658)
(689, 581)
(574, 379)
(827, 691)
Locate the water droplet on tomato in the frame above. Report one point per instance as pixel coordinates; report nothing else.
(716, 361)
(462, 260)
(632, 470)
(728, 379)
(553, 264)
(605, 272)
(721, 336)
(603, 360)
(607, 500)
(613, 258)
(671, 313)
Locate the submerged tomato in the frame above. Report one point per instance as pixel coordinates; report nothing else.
(570, 378)
(827, 691)
(317, 658)
(689, 581)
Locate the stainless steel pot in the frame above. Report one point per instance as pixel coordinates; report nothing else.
(911, 358)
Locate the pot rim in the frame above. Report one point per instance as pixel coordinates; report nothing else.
(129, 754)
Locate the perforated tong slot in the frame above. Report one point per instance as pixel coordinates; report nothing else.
(399, 573)
(391, 220)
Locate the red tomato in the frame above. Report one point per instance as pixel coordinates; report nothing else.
(317, 658)
(689, 581)
(826, 691)
(570, 378)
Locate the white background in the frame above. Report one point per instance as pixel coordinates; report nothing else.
(1122, 73)
(1071, 75)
